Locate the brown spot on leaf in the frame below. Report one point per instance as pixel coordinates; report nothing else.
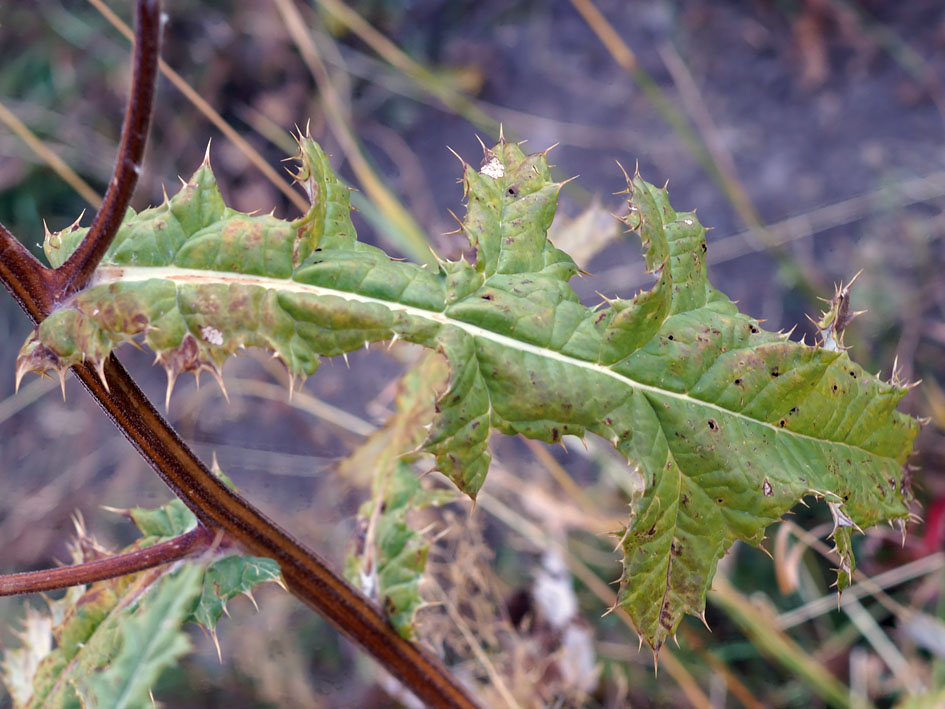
(666, 617)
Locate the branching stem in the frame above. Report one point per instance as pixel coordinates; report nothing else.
(188, 544)
(37, 289)
(30, 283)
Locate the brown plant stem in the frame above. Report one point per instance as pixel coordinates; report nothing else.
(78, 269)
(308, 577)
(188, 544)
(29, 282)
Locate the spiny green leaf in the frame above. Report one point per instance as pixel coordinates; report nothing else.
(30, 671)
(88, 629)
(167, 521)
(725, 426)
(228, 578)
(149, 639)
(389, 557)
(108, 642)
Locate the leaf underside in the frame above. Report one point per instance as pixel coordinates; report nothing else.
(725, 426)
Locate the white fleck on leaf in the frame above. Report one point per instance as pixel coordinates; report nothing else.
(212, 335)
(493, 168)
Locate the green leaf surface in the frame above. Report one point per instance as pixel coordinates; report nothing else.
(87, 633)
(105, 645)
(149, 640)
(388, 557)
(228, 578)
(167, 521)
(725, 426)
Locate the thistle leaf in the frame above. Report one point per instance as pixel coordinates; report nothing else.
(105, 645)
(150, 639)
(388, 557)
(163, 522)
(724, 425)
(227, 578)
(103, 630)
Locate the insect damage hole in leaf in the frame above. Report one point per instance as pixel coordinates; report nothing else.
(652, 374)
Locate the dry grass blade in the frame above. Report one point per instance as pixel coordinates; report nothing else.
(867, 587)
(212, 115)
(572, 490)
(515, 122)
(761, 631)
(411, 68)
(734, 684)
(627, 60)
(908, 192)
(692, 101)
(331, 415)
(28, 394)
(608, 36)
(413, 239)
(916, 190)
(883, 646)
(706, 147)
(868, 584)
(58, 165)
(494, 676)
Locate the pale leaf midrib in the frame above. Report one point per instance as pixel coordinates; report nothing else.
(134, 274)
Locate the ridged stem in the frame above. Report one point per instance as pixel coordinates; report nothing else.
(190, 543)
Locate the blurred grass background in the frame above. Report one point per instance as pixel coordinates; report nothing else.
(808, 133)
